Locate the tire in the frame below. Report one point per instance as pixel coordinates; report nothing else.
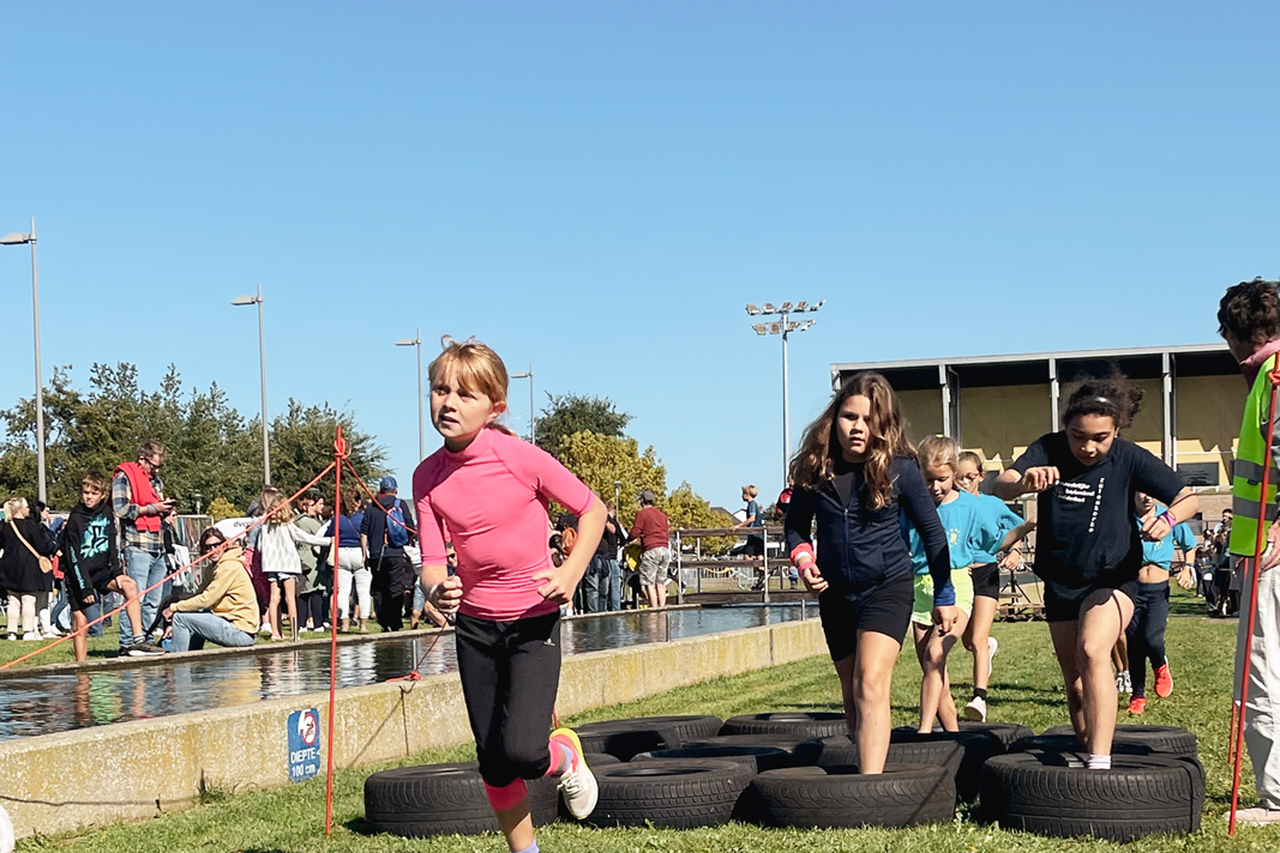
(600, 759)
(841, 750)
(979, 746)
(1006, 733)
(624, 743)
(687, 727)
(1141, 794)
(668, 793)
(443, 799)
(810, 725)
(786, 743)
(1143, 740)
(838, 797)
(759, 758)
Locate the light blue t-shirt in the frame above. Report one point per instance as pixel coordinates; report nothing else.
(972, 527)
(1161, 553)
(1004, 517)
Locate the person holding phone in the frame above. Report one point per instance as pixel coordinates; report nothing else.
(139, 504)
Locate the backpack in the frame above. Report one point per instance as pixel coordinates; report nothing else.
(397, 532)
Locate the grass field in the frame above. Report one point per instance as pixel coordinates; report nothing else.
(1025, 689)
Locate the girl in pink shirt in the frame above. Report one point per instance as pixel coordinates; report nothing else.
(490, 491)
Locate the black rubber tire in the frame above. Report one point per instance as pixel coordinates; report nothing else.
(624, 743)
(686, 727)
(810, 725)
(600, 759)
(760, 758)
(838, 797)
(979, 746)
(1155, 740)
(443, 799)
(786, 743)
(842, 750)
(1006, 733)
(667, 793)
(1141, 794)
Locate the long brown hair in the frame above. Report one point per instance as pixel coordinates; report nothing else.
(813, 464)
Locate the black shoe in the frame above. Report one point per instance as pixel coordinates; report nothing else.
(143, 649)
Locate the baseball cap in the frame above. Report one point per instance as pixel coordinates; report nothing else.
(388, 484)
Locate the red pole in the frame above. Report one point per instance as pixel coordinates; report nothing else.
(1238, 712)
(339, 454)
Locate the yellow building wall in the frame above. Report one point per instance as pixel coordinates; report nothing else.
(923, 411)
(1208, 421)
(1002, 421)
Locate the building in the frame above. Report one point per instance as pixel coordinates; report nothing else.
(1192, 404)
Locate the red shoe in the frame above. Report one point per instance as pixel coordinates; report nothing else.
(1164, 681)
(1138, 705)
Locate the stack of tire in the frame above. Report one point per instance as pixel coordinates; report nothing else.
(801, 770)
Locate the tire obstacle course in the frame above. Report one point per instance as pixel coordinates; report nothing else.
(801, 770)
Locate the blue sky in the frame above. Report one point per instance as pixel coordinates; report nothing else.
(599, 189)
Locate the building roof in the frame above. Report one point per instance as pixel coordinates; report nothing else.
(1038, 367)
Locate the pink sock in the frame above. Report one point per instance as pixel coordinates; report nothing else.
(559, 747)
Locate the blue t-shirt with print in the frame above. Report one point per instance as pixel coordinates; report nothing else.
(1005, 518)
(971, 527)
(1161, 553)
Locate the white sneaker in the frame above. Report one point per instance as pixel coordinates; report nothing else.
(265, 629)
(578, 783)
(1256, 816)
(976, 710)
(31, 635)
(993, 646)
(1124, 684)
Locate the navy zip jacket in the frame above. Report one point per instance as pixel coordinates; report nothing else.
(860, 547)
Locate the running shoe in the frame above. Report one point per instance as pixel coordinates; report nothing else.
(143, 649)
(578, 783)
(993, 646)
(976, 710)
(1256, 816)
(1124, 684)
(1138, 705)
(1164, 681)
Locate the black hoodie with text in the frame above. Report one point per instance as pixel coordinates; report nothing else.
(88, 542)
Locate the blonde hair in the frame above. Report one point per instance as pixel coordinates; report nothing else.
(938, 450)
(813, 464)
(750, 491)
(14, 506)
(271, 498)
(477, 368)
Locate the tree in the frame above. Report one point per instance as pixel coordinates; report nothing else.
(686, 508)
(302, 445)
(567, 414)
(601, 460)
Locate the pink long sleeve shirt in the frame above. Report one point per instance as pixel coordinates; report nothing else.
(492, 498)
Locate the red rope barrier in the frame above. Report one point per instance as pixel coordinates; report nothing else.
(1259, 538)
(339, 456)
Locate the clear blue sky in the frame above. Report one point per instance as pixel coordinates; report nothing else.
(599, 189)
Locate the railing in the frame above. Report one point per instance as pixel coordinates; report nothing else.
(734, 565)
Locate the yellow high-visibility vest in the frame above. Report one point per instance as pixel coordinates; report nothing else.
(1246, 474)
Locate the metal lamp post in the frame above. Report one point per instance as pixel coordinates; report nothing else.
(533, 415)
(262, 362)
(422, 436)
(784, 327)
(17, 239)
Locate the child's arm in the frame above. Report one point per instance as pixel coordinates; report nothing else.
(564, 579)
(1030, 472)
(797, 531)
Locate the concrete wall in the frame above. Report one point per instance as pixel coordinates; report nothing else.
(137, 770)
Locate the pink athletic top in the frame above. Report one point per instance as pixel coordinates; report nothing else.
(492, 498)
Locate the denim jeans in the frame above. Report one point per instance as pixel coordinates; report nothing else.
(146, 569)
(591, 586)
(610, 591)
(190, 630)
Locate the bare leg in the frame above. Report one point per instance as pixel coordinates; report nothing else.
(291, 605)
(1120, 654)
(873, 676)
(651, 594)
(78, 639)
(1103, 617)
(1065, 641)
(845, 671)
(517, 825)
(975, 639)
(661, 589)
(127, 587)
(947, 713)
(273, 611)
(934, 663)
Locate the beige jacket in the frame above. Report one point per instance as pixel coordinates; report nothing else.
(228, 593)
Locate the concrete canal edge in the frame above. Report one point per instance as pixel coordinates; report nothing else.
(137, 770)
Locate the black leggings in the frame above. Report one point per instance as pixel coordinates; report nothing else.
(311, 607)
(1146, 632)
(510, 672)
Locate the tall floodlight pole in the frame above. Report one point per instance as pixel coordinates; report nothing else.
(262, 363)
(16, 239)
(533, 414)
(422, 435)
(784, 327)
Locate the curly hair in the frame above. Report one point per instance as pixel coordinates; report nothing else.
(1113, 396)
(813, 464)
(1250, 312)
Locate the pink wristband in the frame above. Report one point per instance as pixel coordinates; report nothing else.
(804, 548)
(1167, 518)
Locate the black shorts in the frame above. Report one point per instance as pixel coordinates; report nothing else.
(1062, 604)
(98, 592)
(884, 609)
(986, 580)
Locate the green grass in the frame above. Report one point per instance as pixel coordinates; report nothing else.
(1026, 689)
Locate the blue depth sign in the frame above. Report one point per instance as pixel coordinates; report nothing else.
(304, 744)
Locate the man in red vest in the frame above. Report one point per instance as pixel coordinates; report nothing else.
(137, 499)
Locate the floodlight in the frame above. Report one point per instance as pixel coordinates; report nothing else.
(808, 324)
(759, 327)
(752, 310)
(775, 328)
(785, 307)
(769, 309)
(802, 305)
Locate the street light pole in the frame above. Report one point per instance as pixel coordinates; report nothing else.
(17, 240)
(422, 435)
(533, 414)
(784, 327)
(262, 362)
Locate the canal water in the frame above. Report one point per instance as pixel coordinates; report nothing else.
(46, 703)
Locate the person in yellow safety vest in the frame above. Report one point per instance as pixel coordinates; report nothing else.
(1249, 321)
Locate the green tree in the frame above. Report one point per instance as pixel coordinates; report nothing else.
(568, 414)
(302, 445)
(685, 508)
(602, 460)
